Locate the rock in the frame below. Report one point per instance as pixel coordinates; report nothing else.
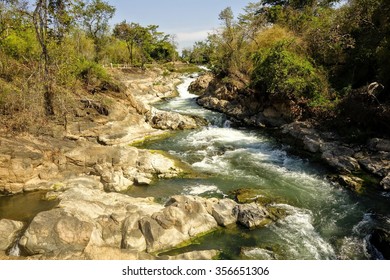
(20, 162)
(340, 157)
(86, 217)
(385, 183)
(132, 235)
(378, 164)
(380, 239)
(87, 156)
(223, 213)
(120, 166)
(113, 180)
(304, 131)
(157, 238)
(251, 215)
(312, 145)
(155, 163)
(142, 181)
(200, 85)
(183, 218)
(248, 195)
(56, 230)
(352, 182)
(109, 253)
(378, 144)
(174, 121)
(9, 231)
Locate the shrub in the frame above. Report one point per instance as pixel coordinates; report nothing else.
(90, 72)
(282, 73)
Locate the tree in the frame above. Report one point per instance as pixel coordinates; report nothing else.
(135, 35)
(51, 20)
(12, 13)
(95, 16)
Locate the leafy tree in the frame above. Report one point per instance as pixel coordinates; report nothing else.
(128, 33)
(95, 16)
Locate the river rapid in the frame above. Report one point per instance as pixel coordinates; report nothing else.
(324, 221)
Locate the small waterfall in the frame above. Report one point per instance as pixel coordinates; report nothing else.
(15, 249)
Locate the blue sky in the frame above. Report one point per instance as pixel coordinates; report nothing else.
(190, 20)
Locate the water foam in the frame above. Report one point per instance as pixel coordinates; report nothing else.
(299, 233)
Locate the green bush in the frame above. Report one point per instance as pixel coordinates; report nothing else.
(282, 73)
(21, 46)
(90, 72)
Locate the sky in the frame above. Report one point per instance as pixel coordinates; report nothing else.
(189, 20)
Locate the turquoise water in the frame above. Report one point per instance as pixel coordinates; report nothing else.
(325, 221)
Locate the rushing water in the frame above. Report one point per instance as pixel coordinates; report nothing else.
(324, 221)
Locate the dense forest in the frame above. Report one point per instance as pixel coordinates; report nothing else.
(52, 52)
(330, 58)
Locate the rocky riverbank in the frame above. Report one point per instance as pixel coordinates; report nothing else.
(350, 162)
(86, 165)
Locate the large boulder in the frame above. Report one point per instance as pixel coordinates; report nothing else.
(56, 231)
(201, 84)
(183, 218)
(174, 121)
(9, 231)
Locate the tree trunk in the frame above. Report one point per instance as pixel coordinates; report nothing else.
(40, 19)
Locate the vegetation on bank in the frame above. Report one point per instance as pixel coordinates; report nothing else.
(321, 54)
(52, 57)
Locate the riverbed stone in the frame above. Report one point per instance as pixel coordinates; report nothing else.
(223, 213)
(142, 181)
(353, 182)
(9, 231)
(174, 121)
(385, 183)
(251, 215)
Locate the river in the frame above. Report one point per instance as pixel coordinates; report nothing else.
(324, 221)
